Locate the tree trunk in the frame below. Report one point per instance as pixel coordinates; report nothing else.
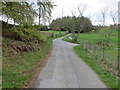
(7, 22)
(39, 18)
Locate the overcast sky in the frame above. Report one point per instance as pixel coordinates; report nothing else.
(93, 8)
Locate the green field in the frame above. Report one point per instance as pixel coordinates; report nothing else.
(110, 55)
(53, 34)
(56, 32)
(94, 37)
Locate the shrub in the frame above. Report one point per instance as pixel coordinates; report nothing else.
(28, 34)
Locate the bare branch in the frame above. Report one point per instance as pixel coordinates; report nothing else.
(114, 14)
(81, 9)
(103, 14)
(73, 12)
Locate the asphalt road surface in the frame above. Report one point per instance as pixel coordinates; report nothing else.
(65, 69)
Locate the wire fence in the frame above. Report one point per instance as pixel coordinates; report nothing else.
(107, 57)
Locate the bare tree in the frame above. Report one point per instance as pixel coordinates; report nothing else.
(62, 12)
(114, 14)
(81, 9)
(104, 15)
(62, 24)
(119, 14)
(73, 12)
(74, 24)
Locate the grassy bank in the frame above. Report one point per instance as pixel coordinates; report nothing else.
(70, 40)
(18, 68)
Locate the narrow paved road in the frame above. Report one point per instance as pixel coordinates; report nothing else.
(66, 70)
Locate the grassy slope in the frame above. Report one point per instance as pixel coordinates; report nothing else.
(17, 68)
(110, 55)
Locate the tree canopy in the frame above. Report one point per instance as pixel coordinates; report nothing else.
(21, 12)
(74, 24)
(45, 9)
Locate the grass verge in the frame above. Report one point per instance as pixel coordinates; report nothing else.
(69, 40)
(110, 80)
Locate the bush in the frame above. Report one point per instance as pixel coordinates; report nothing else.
(44, 28)
(28, 34)
(105, 34)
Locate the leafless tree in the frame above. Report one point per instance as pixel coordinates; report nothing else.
(73, 12)
(62, 12)
(114, 14)
(104, 15)
(119, 14)
(81, 9)
(62, 24)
